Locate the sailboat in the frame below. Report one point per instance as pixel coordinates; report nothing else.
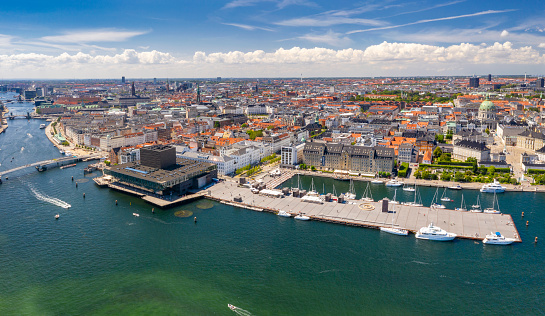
(312, 191)
(492, 210)
(376, 180)
(351, 194)
(455, 187)
(434, 203)
(393, 230)
(476, 208)
(367, 195)
(445, 198)
(334, 194)
(462, 207)
(415, 202)
(409, 188)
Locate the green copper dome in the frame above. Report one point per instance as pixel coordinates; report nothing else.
(487, 105)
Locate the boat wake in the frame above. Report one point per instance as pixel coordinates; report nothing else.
(50, 200)
(239, 311)
(29, 135)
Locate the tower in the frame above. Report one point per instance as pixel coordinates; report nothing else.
(123, 80)
(198, 94)
(168, 87)
(133, 90)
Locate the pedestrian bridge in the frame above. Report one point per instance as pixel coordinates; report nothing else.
(58, 161)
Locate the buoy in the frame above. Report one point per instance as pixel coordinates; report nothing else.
(522, 214)
(527, 222)
(195, 219)
(83, 195)
(153, 210)
(115, 202)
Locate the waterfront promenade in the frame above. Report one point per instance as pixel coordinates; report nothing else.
(369, 214)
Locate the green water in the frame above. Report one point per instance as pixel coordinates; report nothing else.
(99, 259)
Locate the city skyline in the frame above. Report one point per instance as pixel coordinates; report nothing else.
(269, 38)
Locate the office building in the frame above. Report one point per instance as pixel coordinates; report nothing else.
(474, 82)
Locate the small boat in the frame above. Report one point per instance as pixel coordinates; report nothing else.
(367, 195)
(434, 203)
(494, 187)
(302, 217)
(42, 126)
(136, 214)
(431, 232)
(462, 207)
(497, 239)
(57, 216)
(351, 194)
(394, 183)
(231, 307)
(284, 214)
(476, 208)
(395, 231)
(492, 210)
(409, 189)
(445, 198)
(61, 152)
(455, 187)
(377, 181)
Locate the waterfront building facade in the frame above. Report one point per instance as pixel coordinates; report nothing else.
(348, 157)
(464, 149)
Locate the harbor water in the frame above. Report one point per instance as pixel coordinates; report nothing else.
(100, 259)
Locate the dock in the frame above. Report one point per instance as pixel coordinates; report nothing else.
(162, 202)
(466, 225)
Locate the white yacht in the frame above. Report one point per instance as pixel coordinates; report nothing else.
(497, 239)
(42, 126)
(437, 205)
(431, 232)
(494, 187)
(302, 217)
(283, 214)
(377, 181)
(394, 183)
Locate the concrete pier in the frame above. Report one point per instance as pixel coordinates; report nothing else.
(369, 214)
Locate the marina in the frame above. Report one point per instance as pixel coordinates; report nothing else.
(466, 225)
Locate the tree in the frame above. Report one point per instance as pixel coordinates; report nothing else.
(440, 138)
(216, 124)
(312, 168)
(444, 157)
(244, 125)
(482, 170)
(491, 170)
(445, 176)
(459, 177)
(437, 152)
(487, 131)
(471, 159)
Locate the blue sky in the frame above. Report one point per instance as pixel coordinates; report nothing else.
(270, 38)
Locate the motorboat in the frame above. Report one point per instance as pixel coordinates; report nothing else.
(432, 232)
(394, 183)
(437, 205)
(377, 181)
(445, 198)
(42, 126)
(491, 211)
(395, 231)
(283, 214)
(57, 216)
(409, 189)
(136, 214)
(455, 187)
(302, 217)
(497, 239)
(232, 307)
(494, 187)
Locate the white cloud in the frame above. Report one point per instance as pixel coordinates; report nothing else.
(330, 38)
(87, 36)
(431, 20)
(249, 27)
(387, 58)
(504, 33)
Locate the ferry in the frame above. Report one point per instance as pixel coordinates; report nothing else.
(434, 233)
(494, 187)
(42, 126)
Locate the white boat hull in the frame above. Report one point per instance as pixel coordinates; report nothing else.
(506, 241)
(483, 190)
(395, 231)
(284, 214)
(377, 182)
(302, 217)
(447, 237)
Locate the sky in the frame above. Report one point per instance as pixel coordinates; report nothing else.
(66, 39)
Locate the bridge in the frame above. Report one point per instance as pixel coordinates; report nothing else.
(58, 162)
